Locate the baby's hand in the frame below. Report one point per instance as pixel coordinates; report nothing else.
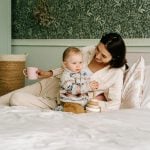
(94, 85)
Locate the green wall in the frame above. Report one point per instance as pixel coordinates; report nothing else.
(79, 19)
(5, 27)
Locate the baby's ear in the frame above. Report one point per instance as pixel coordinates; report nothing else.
(64, 64)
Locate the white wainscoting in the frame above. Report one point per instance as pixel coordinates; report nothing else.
(46, 53)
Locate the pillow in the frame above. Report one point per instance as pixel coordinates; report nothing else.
(133, 85)
(146, 92)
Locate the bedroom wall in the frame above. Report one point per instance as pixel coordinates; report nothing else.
(79, 19)
(5, 26)
(81, 24)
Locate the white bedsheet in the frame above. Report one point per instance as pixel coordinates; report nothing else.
(30, 129)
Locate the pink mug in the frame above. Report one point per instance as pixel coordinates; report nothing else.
(31, 73)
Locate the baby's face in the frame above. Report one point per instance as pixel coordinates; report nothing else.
(74, 62)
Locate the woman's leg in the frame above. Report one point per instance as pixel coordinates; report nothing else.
(32, 101)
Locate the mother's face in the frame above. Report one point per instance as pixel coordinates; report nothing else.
(102, 54)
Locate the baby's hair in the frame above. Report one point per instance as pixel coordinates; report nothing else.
(69, 51)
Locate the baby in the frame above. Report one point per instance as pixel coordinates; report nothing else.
(75, 82)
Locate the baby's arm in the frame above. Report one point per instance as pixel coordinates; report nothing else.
(69, 84)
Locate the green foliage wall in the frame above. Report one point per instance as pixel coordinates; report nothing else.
(79, 19)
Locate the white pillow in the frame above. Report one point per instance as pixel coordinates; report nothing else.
(133, 85)
(146, 91)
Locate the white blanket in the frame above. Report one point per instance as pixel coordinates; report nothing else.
(30, 129)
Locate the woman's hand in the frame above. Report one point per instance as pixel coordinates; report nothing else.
(94, 85)
(44, 74)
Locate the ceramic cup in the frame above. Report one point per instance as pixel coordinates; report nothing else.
(31, 73)
(93, 106)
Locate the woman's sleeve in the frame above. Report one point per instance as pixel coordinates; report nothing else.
(113, 94)
(57, 71)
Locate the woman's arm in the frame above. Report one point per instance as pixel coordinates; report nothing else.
(51, 73)
(44, 74)
(113, 94)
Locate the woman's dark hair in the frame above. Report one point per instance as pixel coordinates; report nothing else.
(116, 46)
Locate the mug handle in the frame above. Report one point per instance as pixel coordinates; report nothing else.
(25, 72)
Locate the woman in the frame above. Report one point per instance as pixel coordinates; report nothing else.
(106, 63)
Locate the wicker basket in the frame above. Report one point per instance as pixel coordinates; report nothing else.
(11, 72)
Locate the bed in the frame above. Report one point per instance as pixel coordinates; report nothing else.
(23, 128)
